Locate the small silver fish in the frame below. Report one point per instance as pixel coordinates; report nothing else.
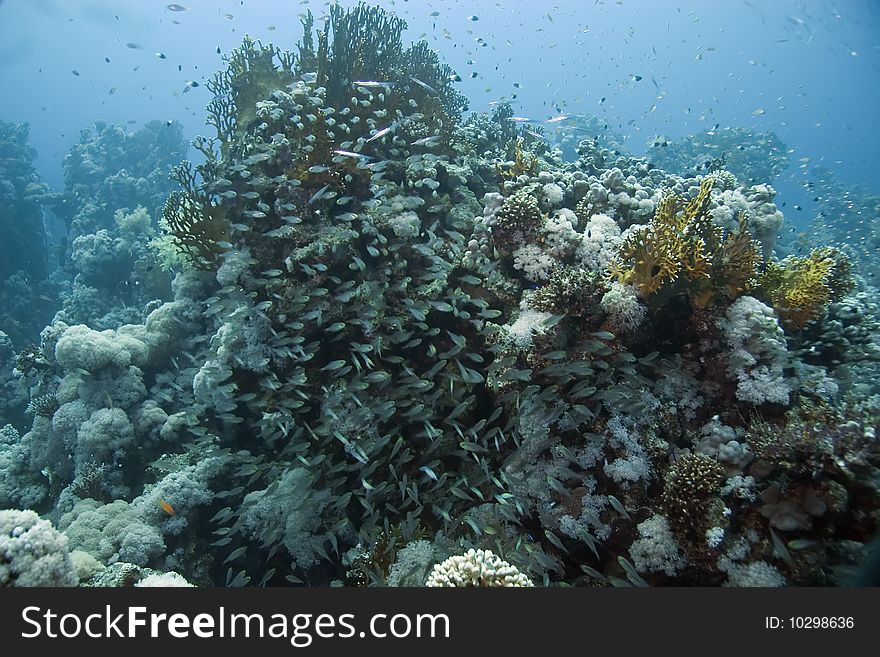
(428, 471)
(371, 83)
(380, 134)
(175, 7)
(351, 154)
(425, 86)
(318, 195)
(427, 141)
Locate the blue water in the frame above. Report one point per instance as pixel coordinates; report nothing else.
(811, 67)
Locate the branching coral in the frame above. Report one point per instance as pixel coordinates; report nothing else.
(520, 161)
(364, 44)
(198, 228)
(253, 71)
(569, 290)
(800, 288)
(682, 250)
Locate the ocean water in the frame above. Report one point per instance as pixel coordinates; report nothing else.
(300, 293)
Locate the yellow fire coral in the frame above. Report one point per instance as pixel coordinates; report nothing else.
(523, 162)
(800, 288)
(683, 250)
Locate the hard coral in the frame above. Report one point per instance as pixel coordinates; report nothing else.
(683, 250)
(517, 220)
(520, 162)
(198, 228)
(800, 288)
(364, 43)
(576, 292)
(476, 568)
(690, 485)
(250, 76)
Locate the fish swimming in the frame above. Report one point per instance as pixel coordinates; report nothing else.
(425, 86)
(371, 83)
(381, 133)
(427, 141)
(351, 154)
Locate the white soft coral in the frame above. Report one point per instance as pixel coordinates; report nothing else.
(534, 262)
(758, 355)
(599, 243)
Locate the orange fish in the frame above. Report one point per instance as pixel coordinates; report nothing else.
(167, 508)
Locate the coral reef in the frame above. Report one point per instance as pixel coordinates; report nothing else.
(24, 244)
(26, 295)
(753, 157)
(110, 169)
(373, 343)
(845, 217)
(115, 186)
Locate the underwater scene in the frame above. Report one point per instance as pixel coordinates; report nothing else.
(439, 293)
